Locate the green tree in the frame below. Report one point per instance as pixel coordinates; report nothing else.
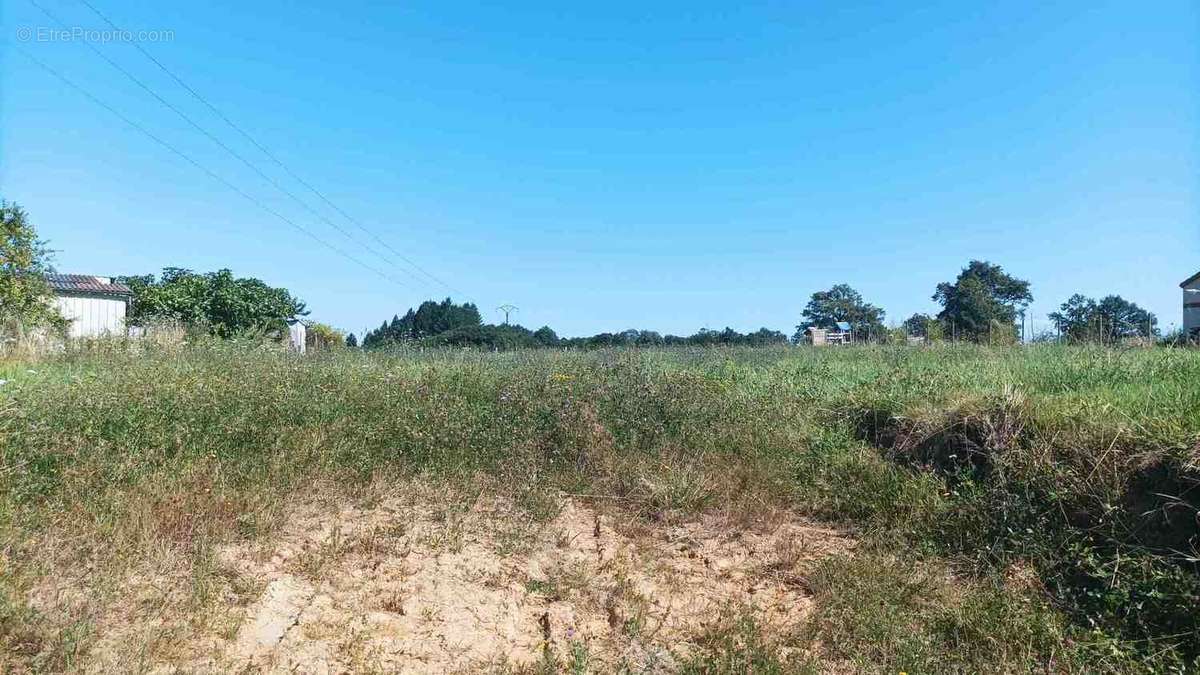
(1082, 319)
(982, 304)
(765, 336)
(351, 341)
(26, 300)
(1074, 317)
(1122, 319)
(319, 336)
(430, 319)
(216, 301)
(493, 337)
(918, 325)
(648, 338)
(545, 336)
(842, 303)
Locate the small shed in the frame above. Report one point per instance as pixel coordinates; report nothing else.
(297, 335)
(1191, 306)
(95, 306)
(839, 334)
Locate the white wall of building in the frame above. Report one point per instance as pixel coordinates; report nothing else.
(1191, 314)
(297, 336)
(92, 315)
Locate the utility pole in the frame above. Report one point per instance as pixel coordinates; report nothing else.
(507, 309)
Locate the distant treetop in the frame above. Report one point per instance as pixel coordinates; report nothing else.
(825, 309)
(431, 318)
(983, 303)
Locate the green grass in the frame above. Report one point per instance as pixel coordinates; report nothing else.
(1079, 464)
(877, 609)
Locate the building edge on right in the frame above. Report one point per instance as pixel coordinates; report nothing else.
(1191, 306)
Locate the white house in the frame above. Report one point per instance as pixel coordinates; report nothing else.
(95, 306)
(1191, 305)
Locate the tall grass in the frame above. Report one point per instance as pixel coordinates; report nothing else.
(1077, 463)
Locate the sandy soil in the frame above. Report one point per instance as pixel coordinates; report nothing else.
(411, 584)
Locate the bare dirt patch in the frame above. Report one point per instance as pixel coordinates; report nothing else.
(416, 584)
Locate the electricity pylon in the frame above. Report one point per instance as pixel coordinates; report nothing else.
(507, 309)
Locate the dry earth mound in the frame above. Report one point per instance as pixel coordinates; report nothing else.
(413, 585)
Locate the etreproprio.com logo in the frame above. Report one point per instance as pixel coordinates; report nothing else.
(81, 34)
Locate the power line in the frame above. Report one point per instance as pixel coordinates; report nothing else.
(270, 155)
(218, 141)
(199, 166)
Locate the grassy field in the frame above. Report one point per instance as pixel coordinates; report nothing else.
(1014, 509)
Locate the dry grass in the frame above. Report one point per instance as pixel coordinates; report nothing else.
(126, 478)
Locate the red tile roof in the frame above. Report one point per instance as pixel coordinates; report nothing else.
(84, 283)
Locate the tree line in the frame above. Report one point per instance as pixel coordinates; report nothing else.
(446, 324)
(982, 304)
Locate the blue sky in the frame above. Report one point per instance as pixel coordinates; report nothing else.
(612, 165)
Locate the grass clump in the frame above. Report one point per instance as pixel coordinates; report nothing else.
(1081, 463)
(735, 644)
(878, 611)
